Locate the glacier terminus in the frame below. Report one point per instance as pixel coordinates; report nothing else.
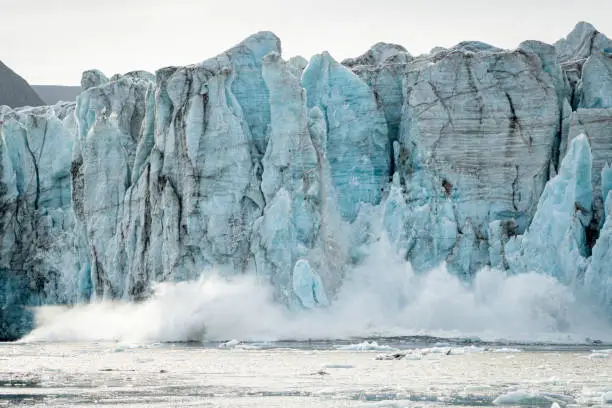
(292, 170)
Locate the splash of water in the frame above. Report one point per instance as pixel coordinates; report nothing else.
(382, 297)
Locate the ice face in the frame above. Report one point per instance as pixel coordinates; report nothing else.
(555, 242)
(357, 145)
(584, 56)
(596, 84)
(308, 286)
(109, 121)
(581, 43)
(457, 104)
(92, 78)
(471, 156)
(42, 256)
(597, 125)
(291, 180)
(598, 277)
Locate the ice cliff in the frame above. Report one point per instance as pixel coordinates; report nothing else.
(474, 156)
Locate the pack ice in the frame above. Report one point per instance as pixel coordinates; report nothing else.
(471, 156)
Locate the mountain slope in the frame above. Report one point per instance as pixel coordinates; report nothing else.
(15, 91)
(52, 94)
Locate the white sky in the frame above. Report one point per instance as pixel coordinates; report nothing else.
(53, 41)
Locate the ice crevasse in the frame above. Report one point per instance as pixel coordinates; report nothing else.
(471, 156)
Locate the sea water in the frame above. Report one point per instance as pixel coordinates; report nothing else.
(398, 372)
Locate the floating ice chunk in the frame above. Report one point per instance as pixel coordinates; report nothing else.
(417, 354)
(469, 349)
(237, 345)
(521, 398)
(414, 354)
(453, 350)
(437, 350)
(366, 346)
(338, 366)
(391, 356)
(230, 344)
(607, 398)
(508, 350)
(243, 346)
(135, 346)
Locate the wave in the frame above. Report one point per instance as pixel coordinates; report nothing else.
(380, 298)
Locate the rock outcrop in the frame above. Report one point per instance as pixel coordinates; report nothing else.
(15, 91)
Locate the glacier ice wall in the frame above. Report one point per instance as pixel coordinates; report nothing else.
(42, 259)
(471, 156)
(595, 123)
(555, 242)
(598, 276)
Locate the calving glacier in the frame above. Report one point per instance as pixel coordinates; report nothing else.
(297, 173)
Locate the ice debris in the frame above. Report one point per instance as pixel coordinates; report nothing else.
(366, 346)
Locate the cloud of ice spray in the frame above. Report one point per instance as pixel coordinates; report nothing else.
(185, 311)
(383, 297)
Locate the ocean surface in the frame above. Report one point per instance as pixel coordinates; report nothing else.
(384, 372)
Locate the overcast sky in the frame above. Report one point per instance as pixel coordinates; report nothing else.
(53, 41)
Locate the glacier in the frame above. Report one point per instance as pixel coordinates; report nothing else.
(292, 170)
